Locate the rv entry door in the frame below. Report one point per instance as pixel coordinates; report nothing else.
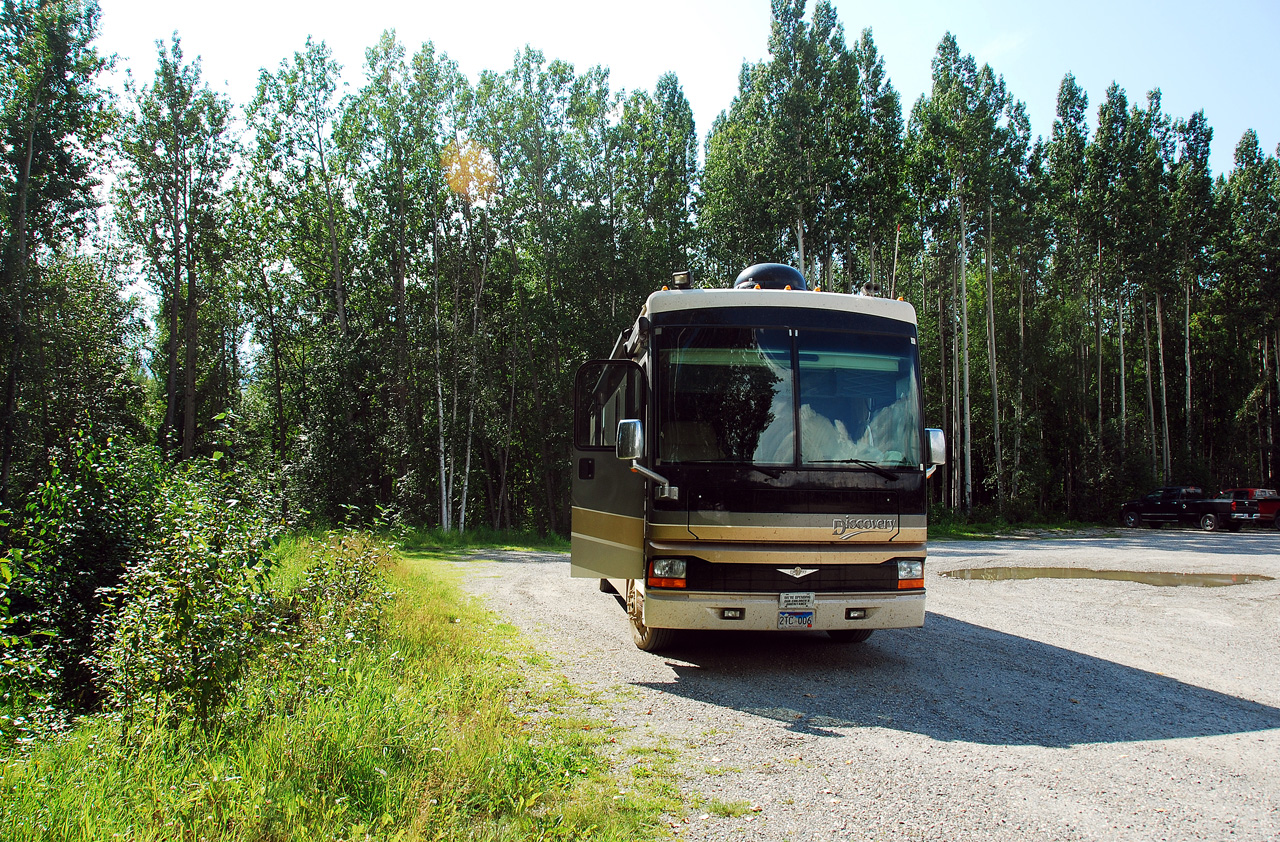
(608, 498)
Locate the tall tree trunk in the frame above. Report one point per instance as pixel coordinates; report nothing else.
(964, 327)
(1097, 329)
(335, 252)
(1124, 413)
(1265, 411)
(400, 327)
(19, 280)
(168, 432)
(1262, 445)
(957, 477)
(19, 297)
(991, 357)
(446, 495)
(1164, 388)
(1271, 469)
(191, 338)
(800, 238)
(1022, 356)
(506, 445)
(273, 337)
(944, 384)
(1186, 353)
(473, 397)
(1151, 403)
(893, 274)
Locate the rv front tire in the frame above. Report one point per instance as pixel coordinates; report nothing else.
(646, 638)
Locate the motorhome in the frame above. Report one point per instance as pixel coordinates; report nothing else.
(755, 458)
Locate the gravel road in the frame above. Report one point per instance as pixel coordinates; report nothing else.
(1056, 709)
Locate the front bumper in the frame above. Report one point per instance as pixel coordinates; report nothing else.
(675, 609)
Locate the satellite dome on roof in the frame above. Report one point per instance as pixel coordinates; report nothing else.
(770, 276)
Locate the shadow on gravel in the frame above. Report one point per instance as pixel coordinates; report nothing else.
(951, 681)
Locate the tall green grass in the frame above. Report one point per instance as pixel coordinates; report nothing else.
(483, 537)
(433, 730)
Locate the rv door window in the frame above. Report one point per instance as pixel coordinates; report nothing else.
(605, 392)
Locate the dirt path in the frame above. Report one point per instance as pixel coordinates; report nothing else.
(1051, 709)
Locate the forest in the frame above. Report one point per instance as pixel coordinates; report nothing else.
(370, 304)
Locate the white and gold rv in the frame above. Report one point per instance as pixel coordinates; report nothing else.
(755, 458)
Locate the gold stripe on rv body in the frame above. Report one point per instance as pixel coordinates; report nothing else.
(773, 526)
(615, 543)
(789, 554)
(615, 528)
(751, 529)
(763, 532)
(791, 534)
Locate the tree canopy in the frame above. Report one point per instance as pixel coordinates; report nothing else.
(375, 297)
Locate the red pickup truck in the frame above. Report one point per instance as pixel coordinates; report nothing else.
(1268, 502)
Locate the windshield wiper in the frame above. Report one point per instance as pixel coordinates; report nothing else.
(862, 463)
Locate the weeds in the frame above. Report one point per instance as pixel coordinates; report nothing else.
(385, 705)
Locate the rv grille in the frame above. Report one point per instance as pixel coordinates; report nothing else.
(767, 578)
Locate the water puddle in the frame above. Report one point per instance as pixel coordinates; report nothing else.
(1164, 580)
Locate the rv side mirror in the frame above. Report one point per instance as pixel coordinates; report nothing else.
(630, 440)
(937, 447)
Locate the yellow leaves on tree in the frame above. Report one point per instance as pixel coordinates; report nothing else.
(469, 169)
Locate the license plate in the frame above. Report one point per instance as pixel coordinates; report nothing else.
(795, 599)
(788, 620)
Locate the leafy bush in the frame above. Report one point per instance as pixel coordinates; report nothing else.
(343, 593)
(192, 605)
(73, 538)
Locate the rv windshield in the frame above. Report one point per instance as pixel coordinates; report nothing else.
(738, 394)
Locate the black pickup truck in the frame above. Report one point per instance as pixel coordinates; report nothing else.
(1190, 505)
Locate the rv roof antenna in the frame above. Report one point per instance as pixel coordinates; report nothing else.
(680, 280)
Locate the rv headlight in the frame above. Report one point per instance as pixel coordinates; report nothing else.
(666, 573)
(668, 568)
(910, 573)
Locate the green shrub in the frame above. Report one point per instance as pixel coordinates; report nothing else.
(74, 537)
(191, 606)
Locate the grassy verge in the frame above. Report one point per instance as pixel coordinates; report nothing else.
(957, 530)
(437, 726)
(427, 540)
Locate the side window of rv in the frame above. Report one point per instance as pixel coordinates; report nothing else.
(605, 392)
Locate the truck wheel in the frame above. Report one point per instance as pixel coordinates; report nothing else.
(1209, 522)
(1133, 520)
(646, 638)
(1276, 522)
(651, 640)
(849, 635)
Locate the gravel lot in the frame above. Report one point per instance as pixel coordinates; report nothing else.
(1023, 710)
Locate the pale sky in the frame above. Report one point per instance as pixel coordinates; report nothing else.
(1221, 61)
